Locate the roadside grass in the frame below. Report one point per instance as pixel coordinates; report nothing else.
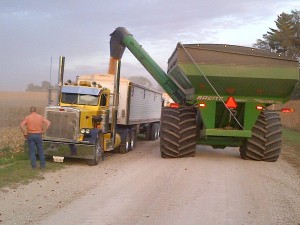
(15, 168)
(291, 147)
(291, 137)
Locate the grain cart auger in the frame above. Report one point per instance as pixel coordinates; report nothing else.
(222, 94)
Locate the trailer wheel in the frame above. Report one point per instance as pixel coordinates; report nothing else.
(133, 139)
(154, 131)
(98, 151)
(147, 132)
(125, 142)
(178, 132)
(265, 143)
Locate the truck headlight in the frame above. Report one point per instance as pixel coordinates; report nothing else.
(85, 131)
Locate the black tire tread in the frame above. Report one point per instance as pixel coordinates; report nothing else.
(265, 143)
(178, 132)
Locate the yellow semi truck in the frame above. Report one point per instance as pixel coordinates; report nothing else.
(100, 112)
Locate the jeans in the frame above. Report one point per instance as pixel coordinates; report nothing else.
(73, 149)
(35, 143)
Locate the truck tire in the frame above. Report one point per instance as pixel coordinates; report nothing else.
(158, 132)
(154, 131)
(133, 139)
(98, 151)
(125, 141)
(178, 132)
(265, 143)
(147, 132)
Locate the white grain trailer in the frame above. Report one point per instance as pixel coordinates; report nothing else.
(139, 109)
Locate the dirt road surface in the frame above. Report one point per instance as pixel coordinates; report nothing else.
(214, 187)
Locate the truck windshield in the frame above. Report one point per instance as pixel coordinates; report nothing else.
(79, 99)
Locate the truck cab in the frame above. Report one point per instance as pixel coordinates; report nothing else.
(93, 102)
(80, 122)
(83, 109)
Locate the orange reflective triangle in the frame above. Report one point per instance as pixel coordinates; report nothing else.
(231, 103)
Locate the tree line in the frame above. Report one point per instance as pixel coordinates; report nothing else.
(44, 87)
(284, 39)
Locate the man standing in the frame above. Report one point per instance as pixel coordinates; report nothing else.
(33, 128)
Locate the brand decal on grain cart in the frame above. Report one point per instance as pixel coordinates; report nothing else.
(210, 98)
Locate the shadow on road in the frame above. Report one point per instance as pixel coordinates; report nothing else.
(209, 152)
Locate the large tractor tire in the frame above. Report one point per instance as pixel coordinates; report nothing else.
(265, 143)
(178, 132)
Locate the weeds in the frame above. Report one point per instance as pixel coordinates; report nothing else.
(13, 109)
(15, 168)
(291, 137)
(12, 138)
(291, 148)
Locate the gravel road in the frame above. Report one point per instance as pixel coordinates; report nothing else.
(214, 187)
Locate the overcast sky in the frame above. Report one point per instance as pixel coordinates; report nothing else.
(33, 31)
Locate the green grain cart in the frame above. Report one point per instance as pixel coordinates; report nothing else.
(222, 95)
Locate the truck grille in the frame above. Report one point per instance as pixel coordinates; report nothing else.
(64, 124)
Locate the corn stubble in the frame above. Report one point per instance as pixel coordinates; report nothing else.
(14, 106)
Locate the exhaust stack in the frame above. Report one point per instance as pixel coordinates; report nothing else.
(60, 75)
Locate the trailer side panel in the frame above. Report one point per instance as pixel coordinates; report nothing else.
(144, 105)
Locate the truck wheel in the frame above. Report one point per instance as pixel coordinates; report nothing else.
(265, 143)
(147, 132)
(98, 151)
(133, 138)
(178, 132)
(125, 142)
(154, 131)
